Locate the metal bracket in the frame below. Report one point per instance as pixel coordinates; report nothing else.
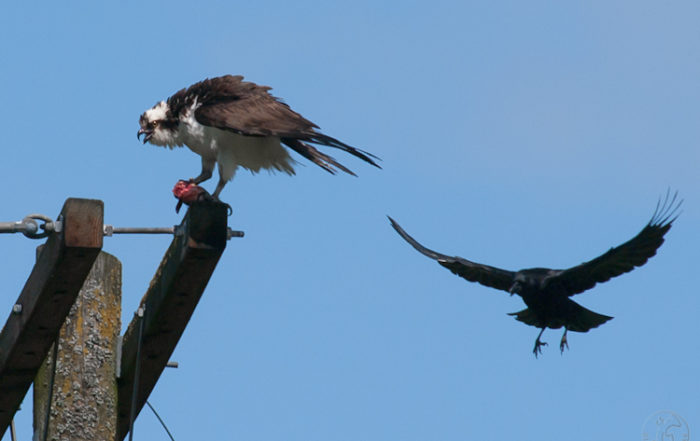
(31, 228)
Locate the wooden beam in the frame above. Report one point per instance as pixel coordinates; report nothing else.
(60, 270)
(169, 303)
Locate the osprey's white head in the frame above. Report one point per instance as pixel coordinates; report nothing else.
(159, 126)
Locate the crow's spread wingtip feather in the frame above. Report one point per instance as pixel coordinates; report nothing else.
(666, 212)
(415, 244)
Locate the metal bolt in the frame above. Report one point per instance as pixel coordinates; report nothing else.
(233, 233)
(17, 308)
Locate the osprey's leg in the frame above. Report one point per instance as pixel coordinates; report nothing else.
(563, 341)
(539, 343)
(207, 171)
(219, 186)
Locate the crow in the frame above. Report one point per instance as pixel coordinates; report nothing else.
(546, 291)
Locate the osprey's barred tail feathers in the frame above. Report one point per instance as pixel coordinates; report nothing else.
(320, 138)
(312, 154)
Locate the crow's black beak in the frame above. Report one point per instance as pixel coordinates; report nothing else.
(147, 132)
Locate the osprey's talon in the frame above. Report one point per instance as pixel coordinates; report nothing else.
(215, 199)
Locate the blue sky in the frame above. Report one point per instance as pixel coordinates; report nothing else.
(516, 134)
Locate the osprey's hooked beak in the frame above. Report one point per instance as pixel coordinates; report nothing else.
(147, 132)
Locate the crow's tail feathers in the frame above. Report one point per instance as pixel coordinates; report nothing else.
(528, 317)
(573, 316)
(580, 319)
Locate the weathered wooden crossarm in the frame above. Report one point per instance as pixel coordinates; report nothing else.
(51, 289)
(169, 303)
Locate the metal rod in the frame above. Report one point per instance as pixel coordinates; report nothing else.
(233, 233)
(142, 230)
(18, 227)
(110, 230)
(30, 228)
(13, 434)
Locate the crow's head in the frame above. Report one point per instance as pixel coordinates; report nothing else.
(531, 281)
(158, 126)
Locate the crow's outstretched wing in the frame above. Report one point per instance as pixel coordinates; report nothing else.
(474, 272)
(624, 258)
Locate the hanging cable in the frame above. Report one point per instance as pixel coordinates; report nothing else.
(13, 434)
(162, 423)
(52, 378)
(141, 312)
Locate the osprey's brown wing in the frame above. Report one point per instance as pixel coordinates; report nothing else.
(474, 272)
(229, 103)
(624, 258)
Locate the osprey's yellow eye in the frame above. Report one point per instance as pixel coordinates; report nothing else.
(154, 124)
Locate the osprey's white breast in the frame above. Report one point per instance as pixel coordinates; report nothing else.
(230, 149)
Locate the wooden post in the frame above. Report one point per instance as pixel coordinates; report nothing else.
(84, 404)
(60, 270)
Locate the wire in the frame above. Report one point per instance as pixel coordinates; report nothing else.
(141, 313)
(161, 421)
(51, 381)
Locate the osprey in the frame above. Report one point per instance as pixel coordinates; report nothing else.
(230, 123)
(546, 291)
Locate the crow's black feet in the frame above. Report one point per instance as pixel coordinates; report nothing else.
(563, 344)
(538, 347)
